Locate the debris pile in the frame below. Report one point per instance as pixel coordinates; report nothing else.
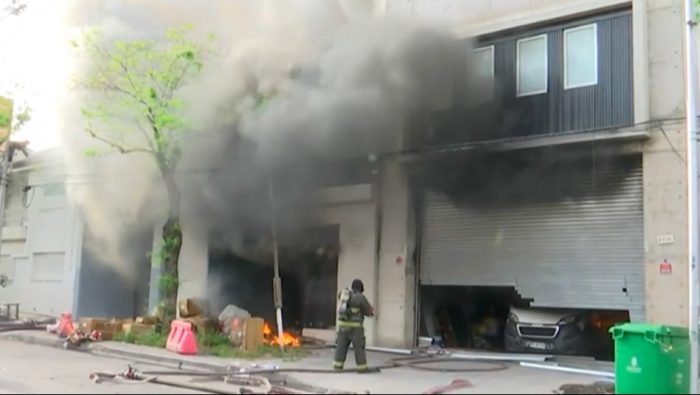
(109, 328)
(250, 333)
(234, 323)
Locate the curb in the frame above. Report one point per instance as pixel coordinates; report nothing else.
(104, 350)
(183, 363)
(33, 340)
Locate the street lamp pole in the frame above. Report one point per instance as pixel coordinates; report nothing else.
(692, 171)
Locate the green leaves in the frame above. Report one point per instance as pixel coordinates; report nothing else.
(133, 90)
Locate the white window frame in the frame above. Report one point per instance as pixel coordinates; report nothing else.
(492, 49)
(546, 66)
(595, 56)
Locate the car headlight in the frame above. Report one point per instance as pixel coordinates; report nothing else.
(572, 319)
(513, 317)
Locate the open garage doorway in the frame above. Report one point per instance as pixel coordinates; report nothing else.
(497, 318)
(309, 271)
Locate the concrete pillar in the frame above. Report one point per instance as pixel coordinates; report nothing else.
(194, 261)
(353, 209)
(665, 196)
(396, 304)
(665, 227)
(156, 270)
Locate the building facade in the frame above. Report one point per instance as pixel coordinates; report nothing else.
(597, 89)
(41, 238)
(577, 201)
(49, 256)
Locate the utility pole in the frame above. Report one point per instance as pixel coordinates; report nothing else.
(692, 164)
(277, 280)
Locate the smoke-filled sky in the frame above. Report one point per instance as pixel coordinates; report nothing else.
(347, 81)
(34, 66)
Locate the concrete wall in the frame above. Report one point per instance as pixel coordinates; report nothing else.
(194, 261)
(659, 89)
(665, 215)
(354, 210)
(397, 299)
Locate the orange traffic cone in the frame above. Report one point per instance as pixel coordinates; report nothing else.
(65, 326)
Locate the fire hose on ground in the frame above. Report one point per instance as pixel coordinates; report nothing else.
(136, 377)
(405, 362)
(249, 377)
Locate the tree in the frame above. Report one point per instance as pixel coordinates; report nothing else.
(23, 115)
(134, 107)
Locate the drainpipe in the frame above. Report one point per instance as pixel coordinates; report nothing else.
(692, 163)
(4, 174)
(277, 280)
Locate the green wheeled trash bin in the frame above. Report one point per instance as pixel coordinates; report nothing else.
(651, 359)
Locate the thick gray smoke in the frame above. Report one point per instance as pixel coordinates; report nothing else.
(344, 84)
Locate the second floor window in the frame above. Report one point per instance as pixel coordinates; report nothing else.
(532, 65)
(482, 74)
(580, 56)
(483, 62)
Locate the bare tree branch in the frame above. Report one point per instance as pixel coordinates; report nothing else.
(122, 149)
(143, 131)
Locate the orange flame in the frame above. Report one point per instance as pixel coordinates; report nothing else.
(288, 339)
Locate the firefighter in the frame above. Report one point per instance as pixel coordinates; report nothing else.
(353, 308)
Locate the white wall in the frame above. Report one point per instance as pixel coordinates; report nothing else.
(44, 264)
(194, 262)
(353, 208)
(397, 268)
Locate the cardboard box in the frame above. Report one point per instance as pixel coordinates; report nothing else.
(253, 337)
(121, 321)
(148, 320)
(138, 329)
(87, 324)
(203, 324)
(189, 308)
(107, 335)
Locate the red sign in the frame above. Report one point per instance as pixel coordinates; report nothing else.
(665, 267)
(399, 261)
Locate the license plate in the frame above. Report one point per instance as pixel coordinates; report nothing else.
(537, 346)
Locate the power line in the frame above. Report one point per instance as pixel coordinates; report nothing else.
(670, 143)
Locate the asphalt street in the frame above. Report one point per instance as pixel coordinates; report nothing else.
(30, 369)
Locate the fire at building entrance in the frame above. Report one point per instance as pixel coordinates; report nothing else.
(309, 271)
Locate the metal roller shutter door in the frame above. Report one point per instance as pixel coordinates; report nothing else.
(585, 251)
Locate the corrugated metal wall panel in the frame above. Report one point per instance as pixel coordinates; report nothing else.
(586, 251)
(609, 103)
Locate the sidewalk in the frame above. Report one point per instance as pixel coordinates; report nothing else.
(515, 379)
